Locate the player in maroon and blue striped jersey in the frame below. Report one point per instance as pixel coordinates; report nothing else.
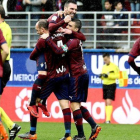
(133, 54)
(56, 23)
(13, 128)
(78, 81)
(53, 77)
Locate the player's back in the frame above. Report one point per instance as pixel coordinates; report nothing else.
(75, 58)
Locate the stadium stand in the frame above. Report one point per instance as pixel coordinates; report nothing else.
(24, 34)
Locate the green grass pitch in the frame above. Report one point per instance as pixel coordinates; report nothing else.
(55, 131)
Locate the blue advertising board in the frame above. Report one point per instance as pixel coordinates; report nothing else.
(24, 70)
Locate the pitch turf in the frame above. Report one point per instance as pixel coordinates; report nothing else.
(55, 131)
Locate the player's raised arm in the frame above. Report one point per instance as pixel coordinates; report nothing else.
(53, 25)
(79, 35)
(133, 54)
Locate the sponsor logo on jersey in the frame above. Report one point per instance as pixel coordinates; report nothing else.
(61, 69)
(54, 18)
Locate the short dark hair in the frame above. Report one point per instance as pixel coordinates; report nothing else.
(43, 23)
(116, 2)
(2, 11)
(68, 2)
(78, 23)
(106, 54)
(108, 1)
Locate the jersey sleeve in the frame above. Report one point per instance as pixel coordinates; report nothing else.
(115, 74)
(54, 47)
(79, 35)
(2, 39)
(72, 43)
(135, 51)
(34, 54)
(40, 47)
(54, 24)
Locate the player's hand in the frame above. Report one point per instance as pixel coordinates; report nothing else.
(67, 19)
(60, 13)
(44, 36)
(104, 75)
(66, 31)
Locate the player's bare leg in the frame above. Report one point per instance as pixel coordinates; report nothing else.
(64, 104)
(108, 109)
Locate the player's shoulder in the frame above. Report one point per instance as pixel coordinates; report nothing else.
(41, 41)
(53, 17)
(74, 40)
(137, 41)
(113, 64)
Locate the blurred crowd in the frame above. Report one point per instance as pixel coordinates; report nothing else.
(106, 23)
(54, 5)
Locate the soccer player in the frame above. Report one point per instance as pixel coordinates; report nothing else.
(8, 37)
(56, 81)
(133, 54)
(78, 81)
(56, 23)
(13, 128)
(110, 72)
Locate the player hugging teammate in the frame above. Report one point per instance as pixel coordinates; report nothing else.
(61, 51)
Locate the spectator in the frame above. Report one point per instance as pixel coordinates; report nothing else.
(58, 5)
(119, 16)
(11, 5)
(19, 6)
(47, 5)
(103, 5)
(80, 8)
(135, 6)
(4, 4)
(92, 5)
(33, 6)
(108, 23)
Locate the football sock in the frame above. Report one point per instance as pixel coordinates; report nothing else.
(37, 88)
(86, 115)
(67, 121)
(3, 132)
(33, 123)
(6, 119)
(78, 119)
(108, 110)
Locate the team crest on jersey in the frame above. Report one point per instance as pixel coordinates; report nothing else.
(54, 18)
(84, 67)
